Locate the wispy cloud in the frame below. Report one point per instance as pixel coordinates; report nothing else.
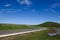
(50, 10)
(33, 10)
(7, 5)
(55, 5)
(3, 11)
(26, 2)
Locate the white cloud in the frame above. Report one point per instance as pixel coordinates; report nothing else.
(50, 10)
(53, 8)
(33, 10)
(3, 11)
(7, 5)
(55, 5)
(26, 2)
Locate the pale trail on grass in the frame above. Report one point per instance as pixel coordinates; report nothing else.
(22, 32)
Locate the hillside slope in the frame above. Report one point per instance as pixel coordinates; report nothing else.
(13, 26)
(49, 24)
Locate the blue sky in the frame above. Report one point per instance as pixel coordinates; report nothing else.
(29, 11)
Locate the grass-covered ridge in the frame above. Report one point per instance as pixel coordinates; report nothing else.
(23, 26)
(13, 26)
(49, 24)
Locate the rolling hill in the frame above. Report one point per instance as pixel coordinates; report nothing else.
(49, 24)
(13, 26)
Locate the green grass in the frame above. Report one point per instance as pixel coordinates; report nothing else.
(42, 35)
(48, 24)
(38, 36)
(14, 27)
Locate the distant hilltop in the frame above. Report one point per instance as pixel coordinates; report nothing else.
(45, 24)
(49, 24)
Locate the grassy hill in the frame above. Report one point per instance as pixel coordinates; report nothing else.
(13, 26)
(49, 24)
(22, 26)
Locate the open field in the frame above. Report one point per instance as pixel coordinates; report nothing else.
(5, 33)
(14, 27)
(42, 35)
(24, 26)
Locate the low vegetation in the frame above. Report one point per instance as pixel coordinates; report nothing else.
(21, 26)
(42, 35)
(14, 27)
(48, 24)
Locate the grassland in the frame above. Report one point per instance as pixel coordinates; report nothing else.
(42, 35)
(21, 26)
(48, 24)
(14, 27)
